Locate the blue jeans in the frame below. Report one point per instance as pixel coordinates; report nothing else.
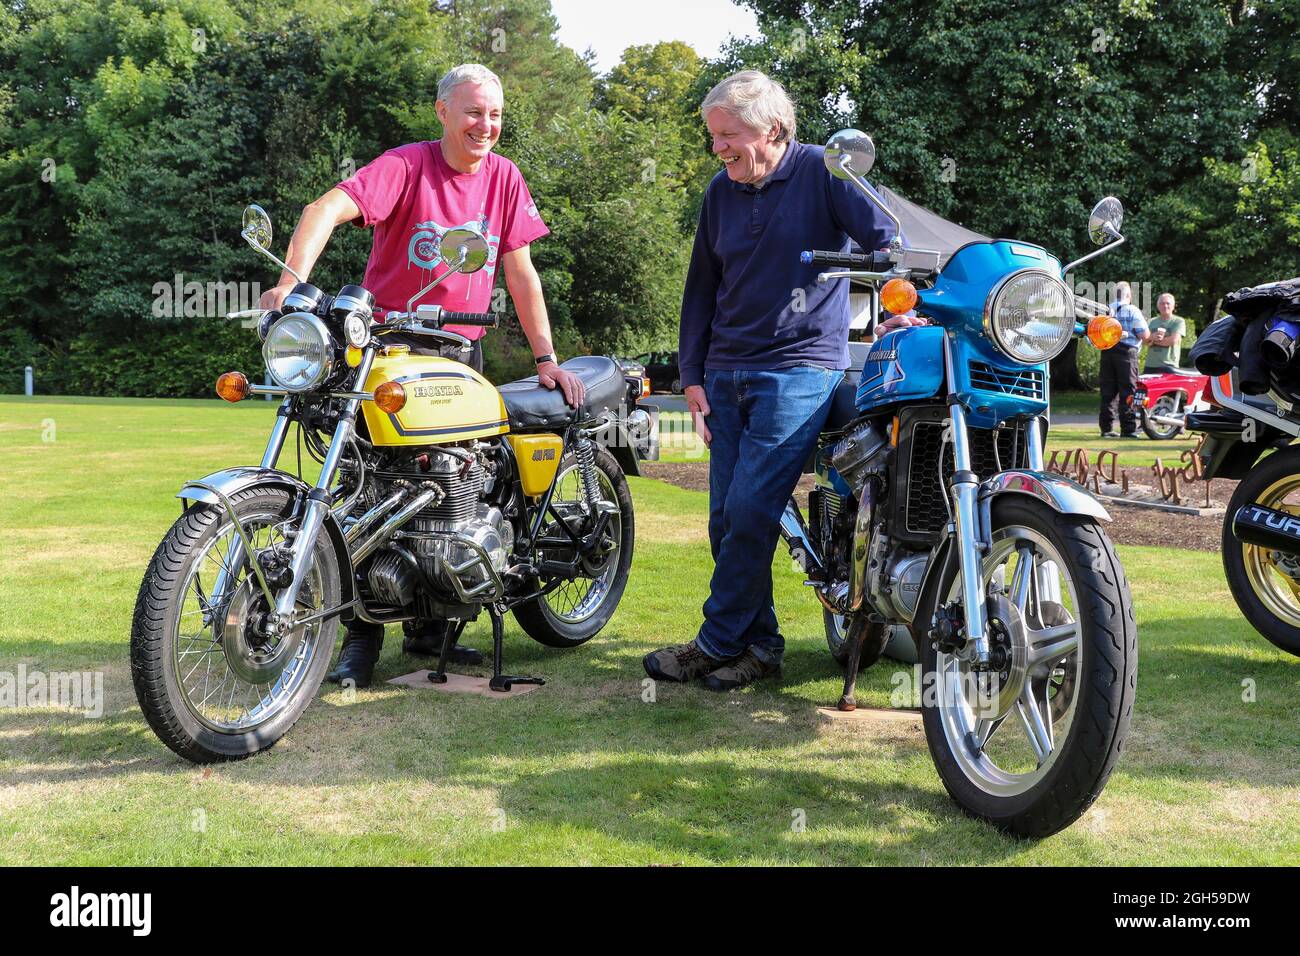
(764, 425)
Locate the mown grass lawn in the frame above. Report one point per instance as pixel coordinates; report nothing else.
(583, 770)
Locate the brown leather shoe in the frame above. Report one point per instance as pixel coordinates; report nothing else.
(680, 663)
(742, 671)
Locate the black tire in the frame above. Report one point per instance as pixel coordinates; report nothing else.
(676, 387)
(539, 620)
(1106, 673)
(1162, 432)
(1280, 633)
(153, 635)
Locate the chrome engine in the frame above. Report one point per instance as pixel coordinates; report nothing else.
(892, 573)
(460, 543)
(896, 591)
(859, 452)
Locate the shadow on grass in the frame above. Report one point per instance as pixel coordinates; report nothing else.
(588, 738)
(725, 813)
(695, 774)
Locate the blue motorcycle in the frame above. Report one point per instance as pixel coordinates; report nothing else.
(932, 512)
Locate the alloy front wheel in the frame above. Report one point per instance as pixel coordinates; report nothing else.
(1029, 742)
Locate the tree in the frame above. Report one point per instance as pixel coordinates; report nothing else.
(657, 83)
(1014, 118)
(132, 132)
(1240, 221)
(516, 39)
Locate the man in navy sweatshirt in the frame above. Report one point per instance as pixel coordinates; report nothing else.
(762, 348)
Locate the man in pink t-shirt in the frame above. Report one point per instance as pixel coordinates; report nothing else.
(410, 196)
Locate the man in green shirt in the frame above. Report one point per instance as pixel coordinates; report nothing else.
(1165, 345)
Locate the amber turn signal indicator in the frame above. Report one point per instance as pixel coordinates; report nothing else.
(898, 296)
(1104, 331)
(232, 386)
(390, 397)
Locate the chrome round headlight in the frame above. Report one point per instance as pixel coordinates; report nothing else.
(299, 352)
(1030, 316)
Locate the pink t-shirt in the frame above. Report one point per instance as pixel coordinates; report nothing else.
(412, 197)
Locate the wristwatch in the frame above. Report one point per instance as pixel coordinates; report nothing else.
(548, 357)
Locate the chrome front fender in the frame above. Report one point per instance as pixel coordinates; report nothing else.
(230, 481)
(1066, 496)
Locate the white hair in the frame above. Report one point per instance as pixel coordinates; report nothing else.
(465, 73)
(757, 100)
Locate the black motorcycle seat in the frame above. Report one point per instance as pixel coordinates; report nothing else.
(843, 405)
(531, 405)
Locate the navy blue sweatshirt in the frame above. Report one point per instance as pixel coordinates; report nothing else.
(749, 302)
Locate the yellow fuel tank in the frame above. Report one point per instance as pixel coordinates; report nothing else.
(446, 401)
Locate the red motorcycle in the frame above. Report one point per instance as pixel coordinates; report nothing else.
(1161, 400)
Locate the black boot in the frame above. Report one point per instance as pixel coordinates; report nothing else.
(424, 639)
(357, 659)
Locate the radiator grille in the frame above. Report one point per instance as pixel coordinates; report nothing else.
(1022, 383)
(991, 451)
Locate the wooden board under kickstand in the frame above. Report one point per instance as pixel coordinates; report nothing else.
(877, 714)
(459, 684)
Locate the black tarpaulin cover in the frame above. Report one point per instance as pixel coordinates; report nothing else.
(927, 230)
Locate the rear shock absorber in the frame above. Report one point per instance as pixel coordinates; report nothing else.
(585, 451)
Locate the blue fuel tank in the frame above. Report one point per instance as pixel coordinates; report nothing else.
(905, 365)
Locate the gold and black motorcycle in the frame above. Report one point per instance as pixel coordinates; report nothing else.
(439, 496)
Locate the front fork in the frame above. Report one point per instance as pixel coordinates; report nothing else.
(972, 523)
(231, 572)
(321, 497)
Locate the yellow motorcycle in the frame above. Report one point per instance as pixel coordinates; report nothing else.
(439, 496)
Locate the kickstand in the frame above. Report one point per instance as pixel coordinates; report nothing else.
(858, 637)
(448, 642)
(501, 683)
(859, 631)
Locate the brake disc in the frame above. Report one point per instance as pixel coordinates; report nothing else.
(252, 655)
(1000, 688)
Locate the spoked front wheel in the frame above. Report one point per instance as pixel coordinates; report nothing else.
(214, 682)
(1029, 744)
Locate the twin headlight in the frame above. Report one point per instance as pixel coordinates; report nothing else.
(1030, 316)
(299, 352)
